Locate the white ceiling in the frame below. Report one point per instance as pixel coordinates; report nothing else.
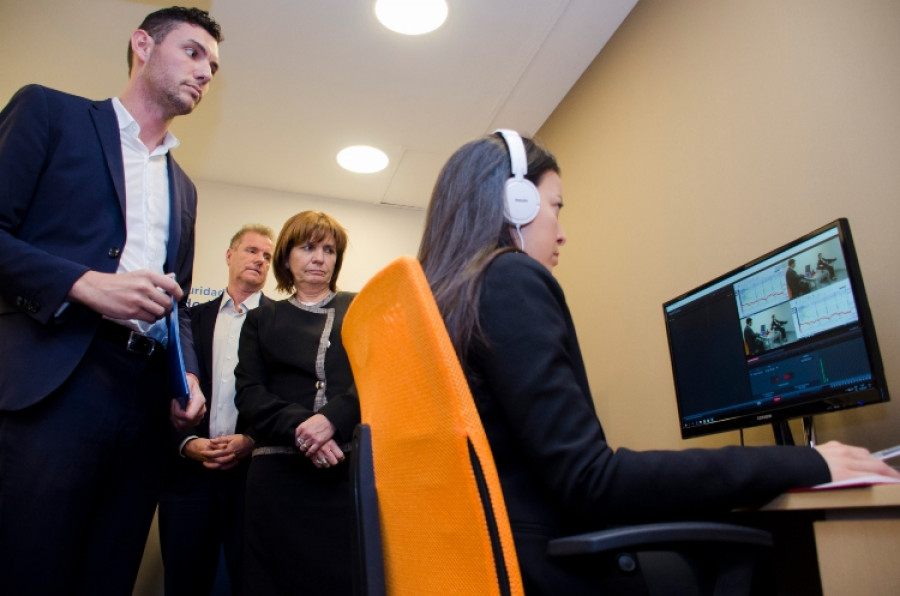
(301, 79)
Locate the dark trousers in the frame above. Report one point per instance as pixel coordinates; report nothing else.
(80, 475)
(201, 513)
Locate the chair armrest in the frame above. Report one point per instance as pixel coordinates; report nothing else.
(656, 536)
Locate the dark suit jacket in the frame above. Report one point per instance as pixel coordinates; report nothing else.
(795, 283)
(559, 476)
(62, 206)
(752, 340)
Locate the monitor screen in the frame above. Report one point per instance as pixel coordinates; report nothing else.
(788, 334)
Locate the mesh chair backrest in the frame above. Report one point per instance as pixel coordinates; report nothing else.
(443, 519)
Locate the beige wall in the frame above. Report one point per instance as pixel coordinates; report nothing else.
(706, 134)
(377, 234)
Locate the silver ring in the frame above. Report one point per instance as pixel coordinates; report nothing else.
(323, 461)
(300, 442)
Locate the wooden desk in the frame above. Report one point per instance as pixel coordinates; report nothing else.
(857, 537)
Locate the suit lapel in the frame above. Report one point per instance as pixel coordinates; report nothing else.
(176, 203)
(207, 325)
(107, 125)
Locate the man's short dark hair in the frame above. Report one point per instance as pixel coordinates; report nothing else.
(158, 24)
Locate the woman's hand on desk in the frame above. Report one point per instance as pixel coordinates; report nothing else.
(845, 462)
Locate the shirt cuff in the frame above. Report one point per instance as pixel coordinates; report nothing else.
(185, 442)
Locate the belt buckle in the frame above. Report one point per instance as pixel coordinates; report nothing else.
(140, 344)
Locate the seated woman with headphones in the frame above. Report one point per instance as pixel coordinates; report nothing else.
(492, 237)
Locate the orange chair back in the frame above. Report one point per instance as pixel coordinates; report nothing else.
(443, 520)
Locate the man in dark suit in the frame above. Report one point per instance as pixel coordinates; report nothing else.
(96, 241)
(752, 339)
(202, 508)
(797, 286)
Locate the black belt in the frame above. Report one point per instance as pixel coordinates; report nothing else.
(132, 341)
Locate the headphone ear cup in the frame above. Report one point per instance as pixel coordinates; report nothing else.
(523, 201)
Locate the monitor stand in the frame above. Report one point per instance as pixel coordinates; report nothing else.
(783, 434)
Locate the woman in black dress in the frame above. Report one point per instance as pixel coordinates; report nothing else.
(295, 388)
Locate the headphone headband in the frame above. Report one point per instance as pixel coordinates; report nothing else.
(521, 198)
(517, 160)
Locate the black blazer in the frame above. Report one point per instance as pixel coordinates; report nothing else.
(559, 475)
(752, 340)
(276, 378)
(795, 283)
(62, 206)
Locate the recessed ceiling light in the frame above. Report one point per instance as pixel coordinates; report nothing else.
(362, 159)
(411, 17)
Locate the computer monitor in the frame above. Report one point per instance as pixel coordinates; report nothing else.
(820, 355)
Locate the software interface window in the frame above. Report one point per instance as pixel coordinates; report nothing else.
(780, 332)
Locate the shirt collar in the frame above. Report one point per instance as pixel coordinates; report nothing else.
(250, 303)
(129, 126)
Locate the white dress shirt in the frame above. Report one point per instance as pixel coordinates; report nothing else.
(222, 411)
(146, 207)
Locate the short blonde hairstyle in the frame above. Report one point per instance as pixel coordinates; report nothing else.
(251, 229)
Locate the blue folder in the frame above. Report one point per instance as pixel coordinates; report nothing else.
(177, 373)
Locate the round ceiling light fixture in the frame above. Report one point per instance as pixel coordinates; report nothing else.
(362, 159)
(411, 17)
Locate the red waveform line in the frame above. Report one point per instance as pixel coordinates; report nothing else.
(752, 302)
(814, 321)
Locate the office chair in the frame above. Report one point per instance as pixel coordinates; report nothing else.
(431, 518)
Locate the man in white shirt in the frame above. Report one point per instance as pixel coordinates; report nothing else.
(96, 243)
(202, 509)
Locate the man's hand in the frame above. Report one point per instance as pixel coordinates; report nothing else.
(142, 295)
(220, 453)
(196, 406)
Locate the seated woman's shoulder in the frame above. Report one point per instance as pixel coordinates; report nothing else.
(512, 263)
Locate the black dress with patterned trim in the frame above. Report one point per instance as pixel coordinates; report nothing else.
(292, 364)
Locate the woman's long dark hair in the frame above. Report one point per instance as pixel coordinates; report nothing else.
(465, 229)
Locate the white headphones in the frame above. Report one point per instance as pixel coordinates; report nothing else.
(522, 199)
